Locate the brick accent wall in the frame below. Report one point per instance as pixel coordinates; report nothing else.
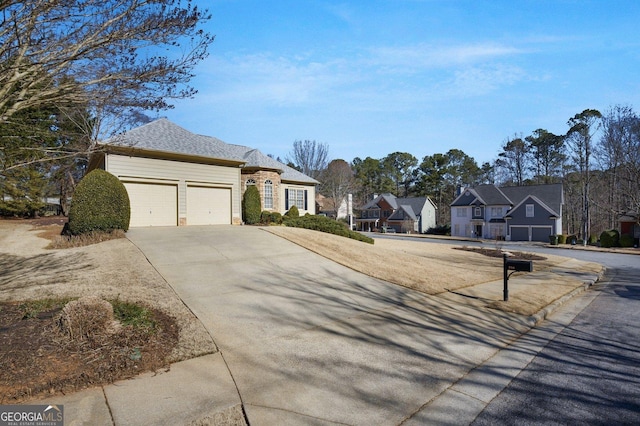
(260, 176)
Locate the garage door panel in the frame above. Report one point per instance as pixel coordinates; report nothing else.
(519, 233)
(540, 233)
(208, 206)
(152, 204)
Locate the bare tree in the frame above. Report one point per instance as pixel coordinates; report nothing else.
(136, 53)
(580, 143)
(310, 157)
(337, 182)
(618, 154)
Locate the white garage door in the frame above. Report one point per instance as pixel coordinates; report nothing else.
(153, 204)
(208, 206)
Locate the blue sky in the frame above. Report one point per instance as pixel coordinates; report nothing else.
(369, 78)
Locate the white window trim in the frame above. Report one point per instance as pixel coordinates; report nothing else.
(268, 194)
(530, 210)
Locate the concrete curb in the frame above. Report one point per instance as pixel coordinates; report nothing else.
(465, 399)
(543, 313)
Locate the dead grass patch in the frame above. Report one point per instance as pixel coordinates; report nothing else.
(32, 276)
(60, 347)
(70, 241)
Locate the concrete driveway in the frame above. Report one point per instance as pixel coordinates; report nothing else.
(308, 341)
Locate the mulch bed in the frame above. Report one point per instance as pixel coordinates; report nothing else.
(498, 253)
(38, 360)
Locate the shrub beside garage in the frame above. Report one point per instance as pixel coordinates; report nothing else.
(100, 203)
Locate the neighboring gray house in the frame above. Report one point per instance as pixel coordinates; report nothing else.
(413, 214)
(175, 177)
(513, 213)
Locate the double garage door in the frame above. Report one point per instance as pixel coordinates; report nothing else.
(157, 204)
(530, 233)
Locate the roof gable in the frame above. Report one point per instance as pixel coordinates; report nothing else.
(406, 209)
(550, 195)
(537, 201)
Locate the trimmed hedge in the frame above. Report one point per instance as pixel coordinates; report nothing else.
(327, 225)
(100, 203)
(293, 212)
(251, 205)
(610, 238)
(268, 218)
(626, 240)
(440, 230)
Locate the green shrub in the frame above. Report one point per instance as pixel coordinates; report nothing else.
(610, 238)
(276, 218)
(562, 239)
(268, 218)
(325, 224)
(100, 203)
(440, 230)
(265, 217)
(251, 205)
(593, 240)
(293, 212)
(626, 240)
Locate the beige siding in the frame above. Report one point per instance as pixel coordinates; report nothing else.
(138, 169)
(311, 197)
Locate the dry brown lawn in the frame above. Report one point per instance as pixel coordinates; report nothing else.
(435, 268)
(113, 269)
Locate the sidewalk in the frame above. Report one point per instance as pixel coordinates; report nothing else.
(296, 352)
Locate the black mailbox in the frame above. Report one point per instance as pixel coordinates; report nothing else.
(513, 266)
(519, 265)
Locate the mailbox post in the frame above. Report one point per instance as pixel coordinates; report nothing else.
(513, 266)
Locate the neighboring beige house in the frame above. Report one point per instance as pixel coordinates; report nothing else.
(176, 178)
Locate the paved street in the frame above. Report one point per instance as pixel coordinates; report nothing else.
(590, 372)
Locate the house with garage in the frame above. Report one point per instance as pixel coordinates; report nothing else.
(176, 178)
(408, 215)
(630, 225)
(512, 213)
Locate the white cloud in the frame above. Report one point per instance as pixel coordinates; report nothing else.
(475, 81)
(427, 56)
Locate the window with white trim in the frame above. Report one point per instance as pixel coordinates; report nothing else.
(268, 194)
(461, 212)
(296, 198)
(496, 211)
(251, 182)
(529, 210)
(478, 212)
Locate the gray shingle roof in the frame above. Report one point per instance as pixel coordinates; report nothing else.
(164, 136)
(551, 195)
